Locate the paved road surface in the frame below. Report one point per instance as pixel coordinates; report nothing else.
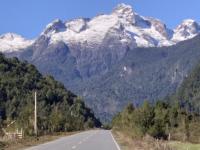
(88, 140)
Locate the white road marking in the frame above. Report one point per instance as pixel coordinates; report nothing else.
(115, 141)
(73, 147)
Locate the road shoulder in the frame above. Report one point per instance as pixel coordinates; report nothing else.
(32, 141)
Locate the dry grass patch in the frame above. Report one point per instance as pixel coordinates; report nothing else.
(184, 146)
(147, 143)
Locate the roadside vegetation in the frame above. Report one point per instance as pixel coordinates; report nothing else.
(184, 146)
(176, 118)
(151, 126)
(146, 143)
(161, 121)
(30, 141)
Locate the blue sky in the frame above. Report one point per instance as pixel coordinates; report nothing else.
(29, 17)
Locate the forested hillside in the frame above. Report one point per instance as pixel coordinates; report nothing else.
(58, 108)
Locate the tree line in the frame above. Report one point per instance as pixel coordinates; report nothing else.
(161, 121)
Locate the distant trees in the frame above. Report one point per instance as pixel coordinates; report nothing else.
(159, 121)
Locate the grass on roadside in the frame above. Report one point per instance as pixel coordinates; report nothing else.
(126, 142)
(184, 146)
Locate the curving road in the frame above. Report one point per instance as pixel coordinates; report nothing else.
(88, 140)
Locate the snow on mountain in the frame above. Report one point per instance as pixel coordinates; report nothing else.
(12, 42)
(122, 24)
(77, 25)
(90, 32)
(54, 27)
(125, 13)
(186, 30)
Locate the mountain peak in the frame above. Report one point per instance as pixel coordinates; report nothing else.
(125, 11)
(186, 21)
(186, 30)
(122, 6)
(189, 24)
(55, 26)
(10, 36)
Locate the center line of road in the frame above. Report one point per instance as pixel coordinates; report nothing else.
(84, 140)
(73, 147)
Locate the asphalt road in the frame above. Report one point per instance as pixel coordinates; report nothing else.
(88, 140)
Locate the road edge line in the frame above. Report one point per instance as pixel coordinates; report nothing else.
(117, 145)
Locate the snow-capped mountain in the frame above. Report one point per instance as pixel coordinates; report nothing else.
(11, 42)
(123, 24)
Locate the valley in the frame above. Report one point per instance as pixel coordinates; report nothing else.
(115, 80)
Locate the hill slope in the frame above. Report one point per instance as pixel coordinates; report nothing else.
(58, 108)
(189, 92)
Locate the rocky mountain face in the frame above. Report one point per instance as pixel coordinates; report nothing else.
(114, 59)
(143, 74)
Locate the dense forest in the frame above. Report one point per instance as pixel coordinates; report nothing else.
(58, 108)
(176, 117)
